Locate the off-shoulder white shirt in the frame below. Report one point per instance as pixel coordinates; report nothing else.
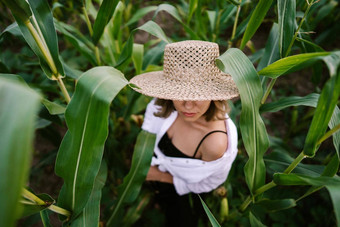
(190, 175)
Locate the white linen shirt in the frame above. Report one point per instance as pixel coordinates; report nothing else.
(190, 175)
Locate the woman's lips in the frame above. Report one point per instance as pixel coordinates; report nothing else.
(188, 114)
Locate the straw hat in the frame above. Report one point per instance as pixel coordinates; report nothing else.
(189, 73)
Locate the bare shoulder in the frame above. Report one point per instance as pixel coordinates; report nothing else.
(214, 146)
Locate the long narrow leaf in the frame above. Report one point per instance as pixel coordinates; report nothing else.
(140, 13)
(254, 222)
(254, 134)
(276, 205)
(45, 219)
(291, 64)
(286, 13)
(271, 52)
(192, 9)
(255, 21)
(174, 12)
(150, 27)
(18, 109)
(91, 213)
(137, 57)
(19, 8)
(155, 30)
(29, 209)
(104, 15)
(132, 183)
(323, 113)
(43, 16)
(330, 170)
(42, 21)
(211, 217)
(81, 150)
(77, 40)
(308, 100)
(332, 61)
(170, 9)
(332, 184)
(279, 161)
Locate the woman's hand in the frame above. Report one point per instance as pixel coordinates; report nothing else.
(155, 174)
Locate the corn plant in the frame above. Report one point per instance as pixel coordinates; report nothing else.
(102, 115)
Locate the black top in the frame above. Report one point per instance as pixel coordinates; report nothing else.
(168, 149)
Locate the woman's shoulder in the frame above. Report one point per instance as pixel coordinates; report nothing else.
(215, 144)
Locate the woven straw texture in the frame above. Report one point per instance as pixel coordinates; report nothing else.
(189, 73)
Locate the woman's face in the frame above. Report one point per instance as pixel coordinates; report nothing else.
(191, 110)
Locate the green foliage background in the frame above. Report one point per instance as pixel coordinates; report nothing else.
(66, 109)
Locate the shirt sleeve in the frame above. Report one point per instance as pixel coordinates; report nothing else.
(206, 185)
(150, 120)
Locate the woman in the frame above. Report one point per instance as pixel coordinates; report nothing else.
(196, 141)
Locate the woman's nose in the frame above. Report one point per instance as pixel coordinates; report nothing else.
(189, 104)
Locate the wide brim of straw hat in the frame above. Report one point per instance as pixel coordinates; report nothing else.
(155, 84)
(189, 73)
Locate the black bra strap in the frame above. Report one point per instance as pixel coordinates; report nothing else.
(204, 139)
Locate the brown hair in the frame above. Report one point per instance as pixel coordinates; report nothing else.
(216, 110)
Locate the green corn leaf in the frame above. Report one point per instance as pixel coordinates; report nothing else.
(91, 213)
(192, 9)
(53, 108)
(174, 12)
(104, 15)
(200, 27)
(271, 51)
(43, 28)
(316, 47)
(12, 29)
(14, 78)
(32, 209)
(211, 217)
(137, 57)
(332, 61)
(19, 8)
(45, 219)
(308, 100)
(276, 205)
(135, 211)
(77, 40)
(155, 30)
(71, 72)
(286, 16)
(154, 55)
(212, 19)
(255, 21)
(279, 161)
(81, 150)
(18, 109)
(140, 13)
(254, 222)
(335, 120)
(331, 183)
(330, 170)
(132, 183)
(170, 9)
(323, 113)
(291, 64)
(253, 131)
(149, 27)
(234, 2)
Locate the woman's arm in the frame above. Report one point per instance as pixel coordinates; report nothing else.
(155, 174)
